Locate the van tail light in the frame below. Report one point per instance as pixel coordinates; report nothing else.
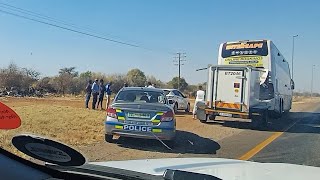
(112, 113)
(167, 116)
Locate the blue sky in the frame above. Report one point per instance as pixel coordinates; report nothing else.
(161, 26)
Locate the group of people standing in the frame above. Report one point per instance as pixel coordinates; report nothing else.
(97, 90)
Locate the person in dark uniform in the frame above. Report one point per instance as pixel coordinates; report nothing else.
(88, 93)
(101, 94)
(95, 93)
(108, 94)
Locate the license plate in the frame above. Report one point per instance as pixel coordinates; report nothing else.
(139, 122)
(138, 115)
(225, 114)
(137, 128)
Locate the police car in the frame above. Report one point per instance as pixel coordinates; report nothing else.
(140, 112)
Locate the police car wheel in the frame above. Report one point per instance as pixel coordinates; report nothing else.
(108, 138)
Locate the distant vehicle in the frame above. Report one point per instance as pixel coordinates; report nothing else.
(252, 77)
(180, 101)
(141, 112)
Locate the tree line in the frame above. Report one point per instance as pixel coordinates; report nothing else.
(70, 81)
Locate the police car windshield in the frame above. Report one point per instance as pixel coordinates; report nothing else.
(140, 96)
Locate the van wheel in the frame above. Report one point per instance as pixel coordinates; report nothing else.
(281, 108)
(108, 138)
(188, 108)
(211, 117)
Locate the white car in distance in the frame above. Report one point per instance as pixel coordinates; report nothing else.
(177, 100)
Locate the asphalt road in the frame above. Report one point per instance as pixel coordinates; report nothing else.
(297, 141)
(298, 145)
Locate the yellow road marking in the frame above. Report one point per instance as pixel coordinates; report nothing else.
(265, 143)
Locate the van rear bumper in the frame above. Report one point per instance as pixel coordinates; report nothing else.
(221, 112)
(203, 113)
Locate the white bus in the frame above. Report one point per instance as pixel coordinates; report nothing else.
(276, 85)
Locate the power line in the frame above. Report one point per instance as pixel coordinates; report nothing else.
(69, 29)
(38, 15)
(74, 28)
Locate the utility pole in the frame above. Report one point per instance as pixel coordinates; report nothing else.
(292, 55)
(179, 58)
(312, 80)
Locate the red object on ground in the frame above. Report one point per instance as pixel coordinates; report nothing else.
(8, 118)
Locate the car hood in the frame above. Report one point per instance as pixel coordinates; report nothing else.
(221, 168)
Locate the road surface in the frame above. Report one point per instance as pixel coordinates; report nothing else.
(296, 140)
(298, 145)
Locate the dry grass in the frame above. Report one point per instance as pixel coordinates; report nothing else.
(302, 99)
(70, 125)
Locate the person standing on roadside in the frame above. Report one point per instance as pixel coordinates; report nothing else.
(101, 94)
(95, 93)
(108, 94)
(199, 98)
(88, 93)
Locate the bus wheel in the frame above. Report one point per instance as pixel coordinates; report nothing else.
(281, 108)
(259, 122)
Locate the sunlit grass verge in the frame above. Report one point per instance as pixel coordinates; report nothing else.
(72, 126)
